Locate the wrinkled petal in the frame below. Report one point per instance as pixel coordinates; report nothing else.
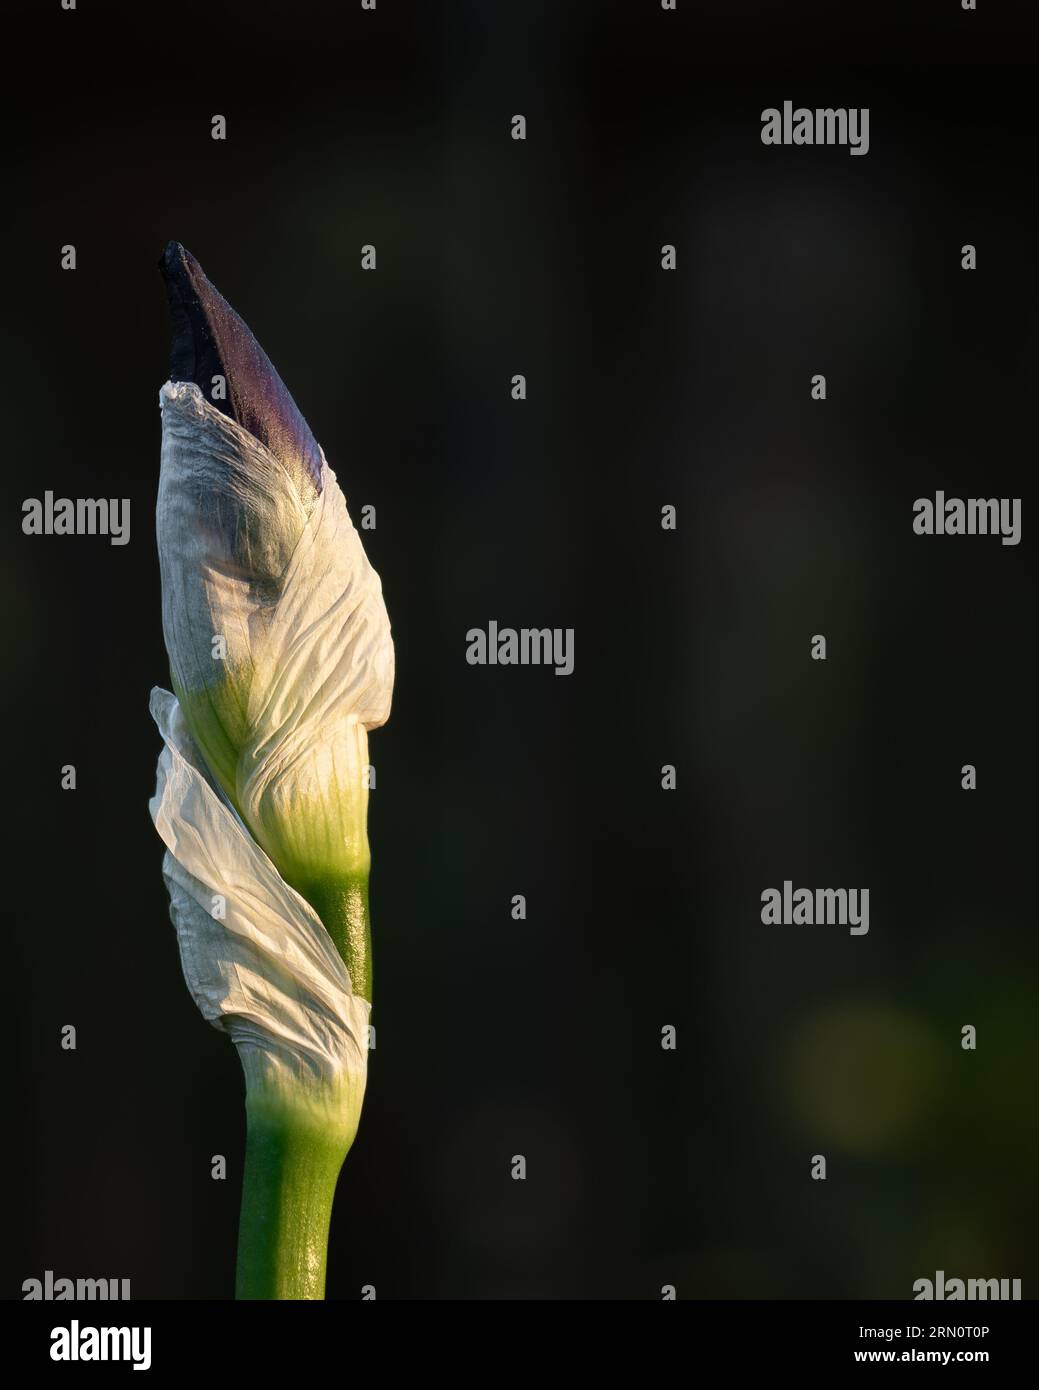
(279, 642)
(267, 973)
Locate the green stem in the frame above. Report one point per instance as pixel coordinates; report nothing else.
(291, 1167)
(342, 904)
(296, 1140)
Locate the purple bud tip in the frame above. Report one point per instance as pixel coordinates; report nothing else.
(210, 340)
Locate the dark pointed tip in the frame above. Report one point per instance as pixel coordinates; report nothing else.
(210, 340)
(194, 355)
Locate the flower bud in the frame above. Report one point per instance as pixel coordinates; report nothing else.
(277, 633)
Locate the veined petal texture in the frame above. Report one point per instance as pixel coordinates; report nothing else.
(279, 642)
(266, 972)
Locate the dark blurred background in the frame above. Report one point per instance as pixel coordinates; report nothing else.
(497, 1037)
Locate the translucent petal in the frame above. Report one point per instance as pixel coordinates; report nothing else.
(279, 642)
(267, 973)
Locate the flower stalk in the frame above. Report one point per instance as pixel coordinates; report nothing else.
(293, 1158)
(281, 662)
(290, 1180)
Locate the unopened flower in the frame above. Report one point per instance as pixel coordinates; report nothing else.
(281, 661)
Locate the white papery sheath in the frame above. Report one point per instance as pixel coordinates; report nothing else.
(304, 663)
(267, 973)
